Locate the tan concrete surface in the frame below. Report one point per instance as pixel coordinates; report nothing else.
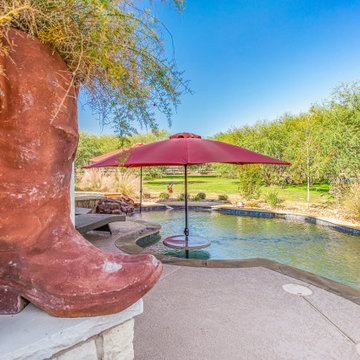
(242, 314)
(202, 313)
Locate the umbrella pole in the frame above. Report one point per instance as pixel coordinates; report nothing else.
(141, 189)
(186, 230)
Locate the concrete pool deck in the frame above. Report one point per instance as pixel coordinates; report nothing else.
(202, 313)
(240, 313)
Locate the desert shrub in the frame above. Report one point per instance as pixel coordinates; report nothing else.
(125, 182)
(352, 200)
(182, 197)
(251, 204)
(339, 186)
(201, 196)
(250, 179)
(112, 48)
(164, 196)
(223, 197)
(90, 180)
(196, 198)
(272, 198)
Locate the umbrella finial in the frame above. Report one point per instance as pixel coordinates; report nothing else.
(185, 135)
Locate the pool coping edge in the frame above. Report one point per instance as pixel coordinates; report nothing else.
(128, 244)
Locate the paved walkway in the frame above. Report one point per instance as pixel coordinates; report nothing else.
(216, 314)
(202, 313)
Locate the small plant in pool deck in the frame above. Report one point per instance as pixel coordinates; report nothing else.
(272, 199)
(164, 196)
(223, 197)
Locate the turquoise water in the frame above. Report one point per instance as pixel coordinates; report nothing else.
(318, 249)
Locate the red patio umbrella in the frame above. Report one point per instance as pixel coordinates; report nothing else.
(112, 158)
(115, 159)
(190, 149)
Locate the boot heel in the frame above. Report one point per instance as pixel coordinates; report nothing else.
(10, 300)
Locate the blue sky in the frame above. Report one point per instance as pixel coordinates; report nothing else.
(254, 60)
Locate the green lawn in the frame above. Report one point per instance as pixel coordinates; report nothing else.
(213, 186)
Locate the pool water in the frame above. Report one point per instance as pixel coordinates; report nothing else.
(318, 249)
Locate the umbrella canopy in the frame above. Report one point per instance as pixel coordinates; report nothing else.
(113, 158)
(191, 149)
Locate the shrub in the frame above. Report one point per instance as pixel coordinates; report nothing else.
(250, 179)
(125, 182)
(201, 196)
(339, 187)
(272, 199)
(196, 198)
(223, 197)
(352, 200)
(182, 197)
(252, 204)
(164, 196)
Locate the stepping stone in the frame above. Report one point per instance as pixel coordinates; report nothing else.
(88, 222)
(82, 211)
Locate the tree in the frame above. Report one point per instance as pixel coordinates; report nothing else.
(91, 145)
(307, 147)
(249, 181)
(113, 50)
(149, 137)
(343, 131)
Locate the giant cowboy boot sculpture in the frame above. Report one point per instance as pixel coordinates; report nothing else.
(42, 257)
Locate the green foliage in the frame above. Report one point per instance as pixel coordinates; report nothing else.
(321, 143)
(91, 145)
(182, 197)
(147, 137)
(250, 181)
(223, 197)
(201, 195)
(272, 198)
(164, 196)
(113, 49)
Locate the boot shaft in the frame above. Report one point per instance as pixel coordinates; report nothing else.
(38, 140)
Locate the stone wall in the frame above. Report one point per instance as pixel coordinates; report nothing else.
(33, 334)
(112, 344)
(88, 201)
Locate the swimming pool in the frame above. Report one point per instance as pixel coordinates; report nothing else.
(318, 249)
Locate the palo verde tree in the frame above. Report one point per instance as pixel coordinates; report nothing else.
(307, 147)
(113, 49)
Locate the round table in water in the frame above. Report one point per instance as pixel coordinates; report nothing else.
(182, 242)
